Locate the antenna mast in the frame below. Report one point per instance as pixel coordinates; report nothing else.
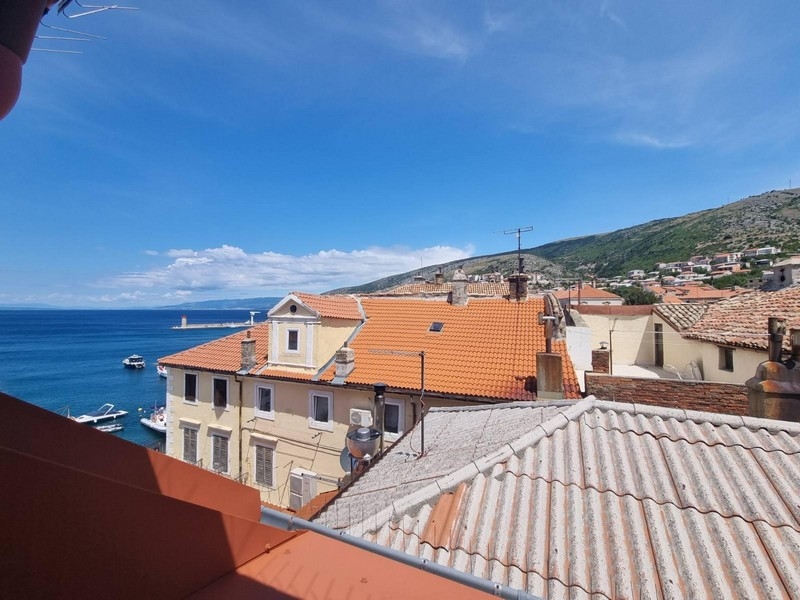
(518, 232)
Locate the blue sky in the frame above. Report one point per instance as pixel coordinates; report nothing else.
(235, 149)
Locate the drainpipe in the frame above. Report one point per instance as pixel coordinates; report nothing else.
(239, 384)
(288, 522)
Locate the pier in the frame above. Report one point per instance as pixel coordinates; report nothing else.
(230, 325)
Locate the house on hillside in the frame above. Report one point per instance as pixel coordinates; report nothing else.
(590, 499)
(587, 295)
(270, 406)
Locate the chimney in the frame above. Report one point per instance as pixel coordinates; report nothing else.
(380, 405)
(458, 297)
(438, 278)
(774, 392)
(777, 329)
(549, 376)
(344, 361)
(248, 353)
(518, 287)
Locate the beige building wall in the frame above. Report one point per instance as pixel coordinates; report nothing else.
(678, 352)
(745, 362)
(630, 337)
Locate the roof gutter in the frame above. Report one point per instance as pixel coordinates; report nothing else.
(288, 522)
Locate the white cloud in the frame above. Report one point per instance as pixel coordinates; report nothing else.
(651, 141)
(233, 271)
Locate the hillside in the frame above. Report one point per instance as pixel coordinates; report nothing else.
(769, 219)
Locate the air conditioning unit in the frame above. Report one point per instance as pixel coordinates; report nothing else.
(302, 487)
(362, 418)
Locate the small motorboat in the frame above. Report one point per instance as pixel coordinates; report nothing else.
(104, 413)
(162, 370)
(111, 428)
(157, 421)
(134, 361)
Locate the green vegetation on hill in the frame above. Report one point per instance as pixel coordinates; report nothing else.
(769, 219)
(772, 218)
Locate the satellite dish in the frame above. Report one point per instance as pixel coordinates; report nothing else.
(345, 461)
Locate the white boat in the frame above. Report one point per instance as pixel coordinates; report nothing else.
(111, 428)
(104, 413)
(162, 370)
(134, 361)
(157, 421)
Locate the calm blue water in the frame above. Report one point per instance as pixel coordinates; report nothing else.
(73, 358)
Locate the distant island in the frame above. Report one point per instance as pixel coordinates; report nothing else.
(259, 304)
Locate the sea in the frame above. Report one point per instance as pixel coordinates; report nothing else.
(70, 361)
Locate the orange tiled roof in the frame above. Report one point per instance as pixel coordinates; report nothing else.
(337, 307)
(223, 355)
(742, 320)
(586, 292)
(485, 349)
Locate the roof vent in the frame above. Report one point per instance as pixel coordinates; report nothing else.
(436, 326)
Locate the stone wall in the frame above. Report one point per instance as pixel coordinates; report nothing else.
(726, 398)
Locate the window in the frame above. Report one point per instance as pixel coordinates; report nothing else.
(393, 419)
(219, 456)
(320, 411)
(436, 326)
(726, 359)
(220, 392)
(291, 340)
(264, 406)
(190, 445)
(190, 387)
(265, 460)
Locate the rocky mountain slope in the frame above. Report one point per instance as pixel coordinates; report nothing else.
(769, 219)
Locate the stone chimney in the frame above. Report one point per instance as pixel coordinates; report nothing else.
(518, 287)
(774, 392)
(458, 297)
(438, 278)
(248, 353)
(344, 361)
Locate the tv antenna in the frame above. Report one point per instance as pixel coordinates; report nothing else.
(518, 232)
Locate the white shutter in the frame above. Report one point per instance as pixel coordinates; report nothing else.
(190, 445)
(220, 454)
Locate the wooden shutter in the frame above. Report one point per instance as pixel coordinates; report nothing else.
(190, 445)
(220, 459)
(264, 456)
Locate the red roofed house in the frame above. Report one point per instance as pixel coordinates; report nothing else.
(586, 294)
(270, 406)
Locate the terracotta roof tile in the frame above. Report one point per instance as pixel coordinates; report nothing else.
(742, 320)
(337, 307)
(223, 355)
(485, 349)
(681, 315)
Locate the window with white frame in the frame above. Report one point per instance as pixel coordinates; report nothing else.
(190, 387)
(320, 410)
(219, 453)
(393, 418)
(190, 445)
(265, 465)
(293, 340)
(220, 392)
(264, 402)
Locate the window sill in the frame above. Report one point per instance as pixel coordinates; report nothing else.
(263, 415)
(320, 425)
